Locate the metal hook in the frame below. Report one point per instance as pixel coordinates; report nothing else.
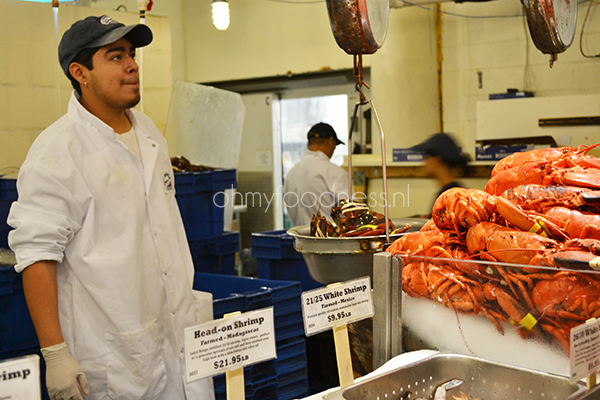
(358, 74)
(363, 101)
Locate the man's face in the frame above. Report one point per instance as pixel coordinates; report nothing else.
(114, 78)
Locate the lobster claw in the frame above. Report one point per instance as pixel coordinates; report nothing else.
(573, 259)
(527, 220)
(591, 197)
(579, 254)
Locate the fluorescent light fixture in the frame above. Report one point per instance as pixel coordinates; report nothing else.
(220, 14)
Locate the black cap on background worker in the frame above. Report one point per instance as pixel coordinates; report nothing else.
(444, 160)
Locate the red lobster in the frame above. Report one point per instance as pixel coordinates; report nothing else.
(565, 156)
(459, 209)
(495, 242)
(538, 197)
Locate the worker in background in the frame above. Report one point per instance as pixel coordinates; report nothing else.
(98, 237)
(444, 161)
(315, 183)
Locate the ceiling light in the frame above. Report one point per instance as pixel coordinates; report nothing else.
(220, 14)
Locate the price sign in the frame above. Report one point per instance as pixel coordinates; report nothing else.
(585, 349)
(20, 378)
(226, 344)
(334, 305)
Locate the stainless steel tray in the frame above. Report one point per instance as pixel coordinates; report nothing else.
(482, 380)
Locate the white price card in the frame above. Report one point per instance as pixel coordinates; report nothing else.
(231, 343)
(20, 378)
(338, 304)
(585, 349)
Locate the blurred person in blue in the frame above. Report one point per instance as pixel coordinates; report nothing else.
(98, 236)
(315, 183)
(444, 161)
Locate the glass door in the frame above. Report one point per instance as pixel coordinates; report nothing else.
(302, 108)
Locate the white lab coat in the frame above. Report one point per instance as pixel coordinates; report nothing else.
(124, 267)
(314, 184)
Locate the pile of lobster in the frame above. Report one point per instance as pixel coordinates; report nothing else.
(351, 219)
(539, 209)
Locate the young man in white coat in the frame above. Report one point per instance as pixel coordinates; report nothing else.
(98, 236)
(315, 183)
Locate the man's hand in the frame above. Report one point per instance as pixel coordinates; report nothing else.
(64, 376)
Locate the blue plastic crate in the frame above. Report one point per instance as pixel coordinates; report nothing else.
(275, 245)
(8, 194)
(201, 214)
(16, 327)
(288, 318)
(286, 306)
(288, 330)
(291, 355)
(224, 264)
(253, 391)
(277, 259)
(201, 200)
(206, 181)
(216, 254)
(236, 293)
(291, 346)
(293, 384)
(253, 374)
(218, 245)
(287, 269)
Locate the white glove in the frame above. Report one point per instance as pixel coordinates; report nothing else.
(63, 374)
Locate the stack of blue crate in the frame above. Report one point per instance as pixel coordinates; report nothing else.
(278, 259)
(17, 334)
(285, 377)
(201, 200)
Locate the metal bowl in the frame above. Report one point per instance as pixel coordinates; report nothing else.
(337, 259)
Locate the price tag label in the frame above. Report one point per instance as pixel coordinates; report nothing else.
(20, 378)
(340, 304)
(585, 349)
(231, 343)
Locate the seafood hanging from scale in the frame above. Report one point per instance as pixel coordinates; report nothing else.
(351, 219)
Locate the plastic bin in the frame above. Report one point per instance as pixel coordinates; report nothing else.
(291, 355)
(216, 254)
(16, 328)
(277, 259)
(201, 200)
(8, 194)
(234, 293)
(293, 384)
(17, 333)
(253, 374)
(237, 293)
(275, 245)
(260, 391)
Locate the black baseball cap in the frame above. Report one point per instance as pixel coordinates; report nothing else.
(323, 131)
(97, 32)
(441, 145)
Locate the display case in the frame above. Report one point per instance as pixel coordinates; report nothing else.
(519, 315)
